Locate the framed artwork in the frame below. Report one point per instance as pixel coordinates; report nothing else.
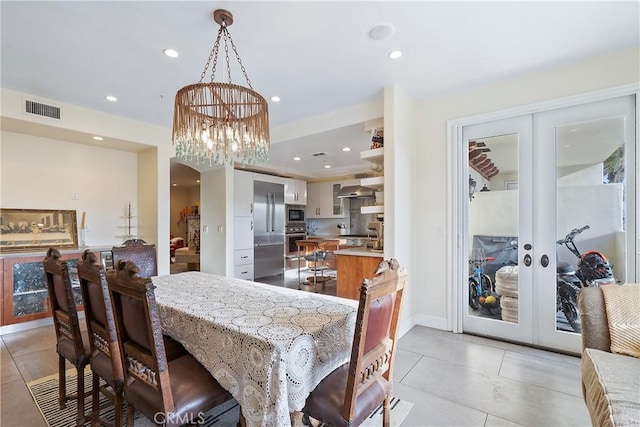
(23, 230)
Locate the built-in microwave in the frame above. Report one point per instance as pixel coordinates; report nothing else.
(295, 214)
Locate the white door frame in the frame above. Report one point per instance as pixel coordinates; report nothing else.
(457, 188)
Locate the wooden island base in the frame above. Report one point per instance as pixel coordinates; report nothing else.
(352, 269)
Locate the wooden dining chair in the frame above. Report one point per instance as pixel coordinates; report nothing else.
(69, 343)
(170, 392)
(143, 255)
(349, 394)
(106, 360)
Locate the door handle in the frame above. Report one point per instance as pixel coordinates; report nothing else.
(544, 260)
(251, 207)
(251, 225)
(527, 260)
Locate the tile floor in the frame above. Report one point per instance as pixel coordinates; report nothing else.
(453, 379)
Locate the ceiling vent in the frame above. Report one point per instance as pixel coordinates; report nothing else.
(40, 109)
(319, 154)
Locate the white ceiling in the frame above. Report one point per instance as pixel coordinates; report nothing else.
(316, 56)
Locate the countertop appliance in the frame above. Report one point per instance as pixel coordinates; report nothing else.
(378, 227)
(268, 231)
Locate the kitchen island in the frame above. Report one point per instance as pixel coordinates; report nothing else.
(354, 265)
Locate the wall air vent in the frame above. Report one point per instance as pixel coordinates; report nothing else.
(40, 109)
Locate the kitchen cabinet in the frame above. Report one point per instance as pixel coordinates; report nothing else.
(243, 244)
(295, 192)
(323, 201)
(24, 288)
(375, 156)
(243, 193)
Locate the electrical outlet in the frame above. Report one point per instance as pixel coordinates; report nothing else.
(74, 196)
(205, 228)
(220, 229)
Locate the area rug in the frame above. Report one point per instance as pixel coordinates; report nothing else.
(45, 394)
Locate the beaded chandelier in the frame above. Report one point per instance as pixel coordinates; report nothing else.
(221, 122)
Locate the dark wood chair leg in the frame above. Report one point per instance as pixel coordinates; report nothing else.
(62, 382)
(130, 416)
(80, 416)
(117, 406)
(95, 401)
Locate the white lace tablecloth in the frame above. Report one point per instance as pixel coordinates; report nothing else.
(268, 346)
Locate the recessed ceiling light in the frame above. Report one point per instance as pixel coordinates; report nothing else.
(346, 149)
(327, 166)
(296, 158)
(275, 98)
(566, 146)
(175, 185)
(573, 130)
(98, 138)
(111, 98)
(171, 53)
(395, 54)
(381, 32)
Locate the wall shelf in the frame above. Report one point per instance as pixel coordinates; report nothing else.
(376, 182)
(374, 156)
(375, 209)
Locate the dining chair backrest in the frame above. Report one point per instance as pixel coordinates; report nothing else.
(63, 307)
(140, 333)
(106, 360)
(143, 255)
(69, 343)
(375, 337)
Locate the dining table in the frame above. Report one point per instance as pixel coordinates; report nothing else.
(269, 346)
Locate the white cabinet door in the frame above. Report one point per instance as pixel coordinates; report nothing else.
(243, 193)
(295, 191)
(322, 200)
(243, 233)
(301, 192)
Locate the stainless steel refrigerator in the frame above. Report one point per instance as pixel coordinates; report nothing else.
(268, 231)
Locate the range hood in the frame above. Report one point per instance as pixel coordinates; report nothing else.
(356, 191)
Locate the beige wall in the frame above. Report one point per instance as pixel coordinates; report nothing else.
(42, 173)
(430, 208)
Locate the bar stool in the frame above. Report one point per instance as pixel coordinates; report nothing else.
(315, 254)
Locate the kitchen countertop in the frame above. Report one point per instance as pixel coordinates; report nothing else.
(359, 252)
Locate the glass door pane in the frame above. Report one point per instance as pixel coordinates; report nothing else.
(498, 287)
(585, 211)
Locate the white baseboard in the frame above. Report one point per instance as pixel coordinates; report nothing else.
(422, 320)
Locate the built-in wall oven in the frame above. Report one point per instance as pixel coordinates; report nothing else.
(294, 233)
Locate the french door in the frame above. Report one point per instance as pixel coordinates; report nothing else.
(532, 180)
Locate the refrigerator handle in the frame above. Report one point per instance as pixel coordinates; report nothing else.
(273, 212)
(268, 212)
